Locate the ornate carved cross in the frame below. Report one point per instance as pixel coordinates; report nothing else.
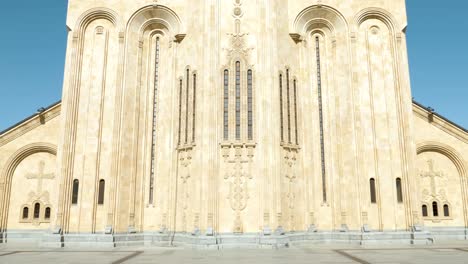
(40, 176)
(432, 174)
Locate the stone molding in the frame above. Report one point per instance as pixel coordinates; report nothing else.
(440, 123)
(35, 121)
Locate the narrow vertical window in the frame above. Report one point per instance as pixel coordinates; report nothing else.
(102, 188)
(373, 196)
(153, 135)
(250, 104)
(424, 210)
(296, 136)
(194, 106)
(319, 92)
(37, 210)
(238, 101)
(288, 98)
(25, 214)
(47, 213)
(187, 89)
(281, 107)
(399, 190)
(435, 209)
(179, 131)
(226, 105)
(446, 210)
(76, 185)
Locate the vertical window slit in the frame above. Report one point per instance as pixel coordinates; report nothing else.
(238, 101)
(435, 209)
(424, 210)
(47, 213)
(194, 106)
(399, 191)
(76, 185)
(153, 135)
(37, 210)
(25, 213)
(250, 104)
(319, 92)
(281, 107)
(372, 191)
(296, 134)
(102, 187)
(289, 106)
(179, 131)
(187, 106)
(226, 105)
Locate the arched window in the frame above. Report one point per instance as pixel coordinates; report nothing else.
(25, 213)
(76, 185)
(424, 210)
(102, 186)
(446, 210)
(37, 210)
(399, 191)
(435, 209)
(47, 213)
(372, 191)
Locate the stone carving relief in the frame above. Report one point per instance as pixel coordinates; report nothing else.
(38, 196)
(436, 189)
(290, 159)
(185, 158)
(238, 176)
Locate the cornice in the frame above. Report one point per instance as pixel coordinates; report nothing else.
(440, 122)
(30, 123)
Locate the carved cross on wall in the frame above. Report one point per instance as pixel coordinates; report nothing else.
(238, 192)
(432, 174)
(40, 176)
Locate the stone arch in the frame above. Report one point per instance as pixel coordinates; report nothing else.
(8, 171)
(446, 150)
(376, 13)
(98, 13)
(155, 15)
(455, 157)
(318, 17)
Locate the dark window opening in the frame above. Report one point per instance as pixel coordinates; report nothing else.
(372, 191)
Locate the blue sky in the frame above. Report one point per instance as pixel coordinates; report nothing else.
(32, 51)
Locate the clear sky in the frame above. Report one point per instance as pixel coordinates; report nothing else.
(33, 41)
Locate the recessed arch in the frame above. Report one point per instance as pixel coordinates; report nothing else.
(9, 169)
(318, 17)
(155, 16)
(98, 13)
(376, 13)
(460, 165)
(446, 150)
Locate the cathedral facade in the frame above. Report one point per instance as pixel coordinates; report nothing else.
(233, 122)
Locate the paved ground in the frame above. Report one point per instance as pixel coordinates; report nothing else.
(405, 254)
